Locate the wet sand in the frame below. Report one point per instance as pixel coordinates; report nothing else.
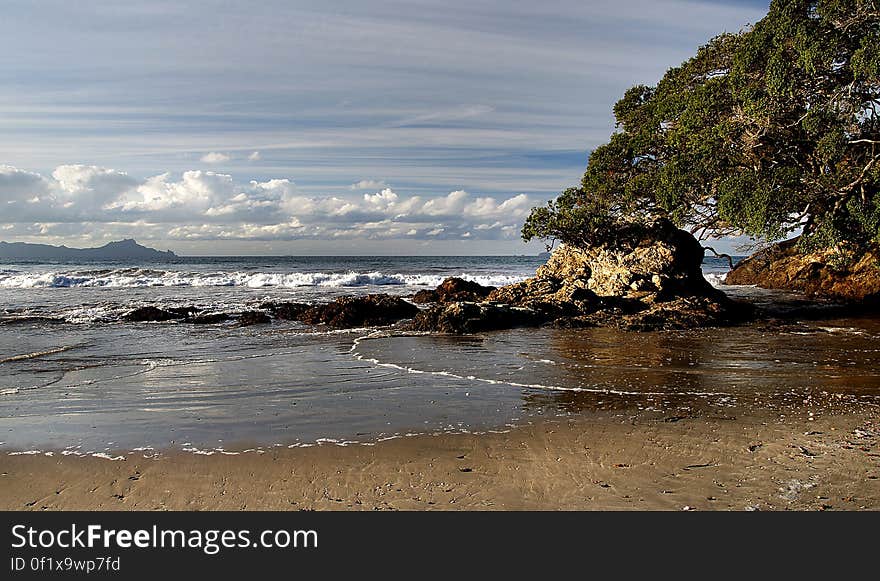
(614, 461)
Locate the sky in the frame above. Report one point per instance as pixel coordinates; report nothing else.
(315, 127)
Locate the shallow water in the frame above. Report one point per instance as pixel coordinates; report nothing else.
(94, 385)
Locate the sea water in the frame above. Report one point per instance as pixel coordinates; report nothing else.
(74, 377)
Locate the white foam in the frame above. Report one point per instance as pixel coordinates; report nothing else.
(105, 456)
(716, 279)
(35, 355)
(541, 386)
(134, 278)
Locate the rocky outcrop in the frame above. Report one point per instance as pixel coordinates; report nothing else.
(149, 313)
(552, 297)
(249, 318)
(659, 259)
(286, 311)
(818, 274)
(650, 278)
(346, 312)
(454, 289)
(680, 313)
(466, 317)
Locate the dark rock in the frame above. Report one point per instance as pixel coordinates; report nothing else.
(454, 289)
(681, 313)
(685, 313)
(253, 318)
(142, 314)
(208, 319)
(425, 296)
(825, 274)
(345, 312)
(474, 317)
(551, 296)
(286, 311)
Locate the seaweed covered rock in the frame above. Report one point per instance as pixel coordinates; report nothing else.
(454, 289)
(825, 274)
(345, 312)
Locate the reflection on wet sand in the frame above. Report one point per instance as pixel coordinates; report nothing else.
(704, 369)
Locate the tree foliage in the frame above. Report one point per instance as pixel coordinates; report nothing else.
(764, 132)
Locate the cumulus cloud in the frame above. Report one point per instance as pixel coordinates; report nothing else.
(208, 205)
(215, 157)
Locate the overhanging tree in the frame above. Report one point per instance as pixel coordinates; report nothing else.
(765, 132)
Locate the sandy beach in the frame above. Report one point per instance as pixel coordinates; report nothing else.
(614, 461)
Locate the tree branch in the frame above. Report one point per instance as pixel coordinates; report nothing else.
(727, 256)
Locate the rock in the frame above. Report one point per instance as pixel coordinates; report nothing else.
(286, 311)
(681, 313)
(454, 289)
(467, 317)
(551, 296)
(209, 319)
(345, 312)
(142, 314)
(248, 318)
(817, 274)
(650, 278)
(659, 258)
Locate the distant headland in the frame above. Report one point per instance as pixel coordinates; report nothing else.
(122, 250)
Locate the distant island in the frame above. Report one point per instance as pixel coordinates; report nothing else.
(122, 250)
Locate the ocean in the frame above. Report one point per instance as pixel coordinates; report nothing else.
(75, 378)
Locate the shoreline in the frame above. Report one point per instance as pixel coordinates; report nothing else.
(744, 460)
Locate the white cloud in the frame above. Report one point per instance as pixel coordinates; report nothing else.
(207, 205)
(215, 157)
(18, 184)
(255, 156)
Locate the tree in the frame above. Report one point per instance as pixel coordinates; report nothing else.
(765, 132)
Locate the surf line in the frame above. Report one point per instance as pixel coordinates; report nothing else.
(448, 374)
(37, 354)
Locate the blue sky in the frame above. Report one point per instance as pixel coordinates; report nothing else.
(317, 127)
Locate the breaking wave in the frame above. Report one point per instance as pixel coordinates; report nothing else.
(132, 278)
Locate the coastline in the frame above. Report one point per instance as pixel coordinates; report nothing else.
(645, 460)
